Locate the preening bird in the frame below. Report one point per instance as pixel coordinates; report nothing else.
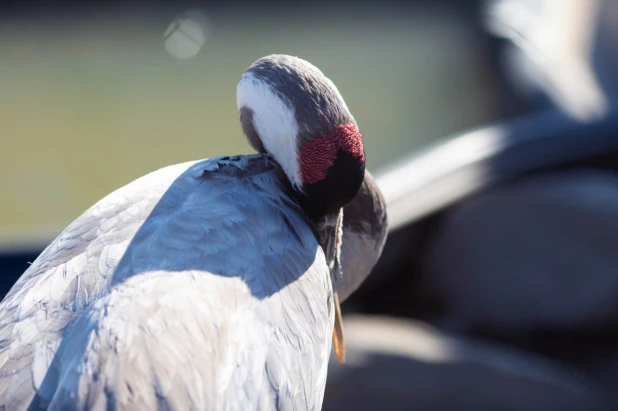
(210, 284)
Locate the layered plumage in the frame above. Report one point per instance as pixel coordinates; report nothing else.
(153, 298)
(202, 285)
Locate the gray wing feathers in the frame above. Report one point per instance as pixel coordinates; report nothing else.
(152, 299)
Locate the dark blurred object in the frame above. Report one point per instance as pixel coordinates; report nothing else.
(423, 190)
(535, 255)
(405, 365)
(508, 233)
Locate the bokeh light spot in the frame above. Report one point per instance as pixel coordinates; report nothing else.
(187, 34)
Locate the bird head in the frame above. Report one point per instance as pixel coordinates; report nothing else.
(292, 111)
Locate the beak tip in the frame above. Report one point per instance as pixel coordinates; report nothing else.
(341, 357)
(338, 333)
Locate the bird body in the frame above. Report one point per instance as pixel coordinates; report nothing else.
(204, 285)
(186, 288)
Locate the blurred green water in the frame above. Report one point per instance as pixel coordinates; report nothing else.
(87, 106)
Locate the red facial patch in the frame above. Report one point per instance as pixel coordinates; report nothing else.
(317, 156)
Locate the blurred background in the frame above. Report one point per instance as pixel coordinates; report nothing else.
(490, 125)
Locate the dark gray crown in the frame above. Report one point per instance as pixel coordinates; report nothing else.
(317, 104)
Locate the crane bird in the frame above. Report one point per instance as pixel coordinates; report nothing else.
(210, 284)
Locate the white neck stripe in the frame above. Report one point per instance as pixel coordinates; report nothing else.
(274, 122)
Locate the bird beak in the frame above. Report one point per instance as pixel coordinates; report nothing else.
(338, 328)
(329, 232)
(338, 333)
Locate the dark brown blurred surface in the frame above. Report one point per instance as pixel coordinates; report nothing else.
(405, 365)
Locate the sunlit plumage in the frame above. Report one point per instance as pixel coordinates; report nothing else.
(202, 285)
